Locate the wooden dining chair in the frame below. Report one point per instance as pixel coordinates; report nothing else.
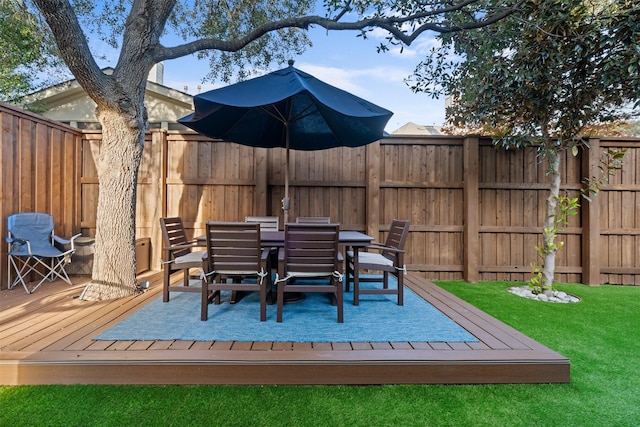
(179, 254)
(308, 262)
(387, 258)
(235, 261)
(313, 220)
(267, 223)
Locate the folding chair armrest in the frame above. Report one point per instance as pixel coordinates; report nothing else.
(14, 240)
(64, 241)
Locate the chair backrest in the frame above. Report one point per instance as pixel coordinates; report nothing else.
(313, 220)
(311, 248)
(35, 227)
(173, 234)
(397, 236)
(233, 247)
(267, 223)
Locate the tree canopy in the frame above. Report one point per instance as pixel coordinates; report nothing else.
(239, 36)
(552, 69)
(26, 49)
(545, 75)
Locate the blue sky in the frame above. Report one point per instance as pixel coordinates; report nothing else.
(350, 63)
(338, 58)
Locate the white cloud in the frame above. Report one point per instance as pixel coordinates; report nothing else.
(383, 85)
(359, 80)
(343, 78)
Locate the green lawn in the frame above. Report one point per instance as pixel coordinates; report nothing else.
(600, 335)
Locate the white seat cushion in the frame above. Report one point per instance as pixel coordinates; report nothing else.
(307, 274)
(374, 258)
(192, 257)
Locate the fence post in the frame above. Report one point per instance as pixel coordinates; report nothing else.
(372, 210)
(471, 240)
(591, 218)
(158, 187)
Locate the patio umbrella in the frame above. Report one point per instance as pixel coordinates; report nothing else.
(287, 108)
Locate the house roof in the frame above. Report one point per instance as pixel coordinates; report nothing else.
(69, 102)
(411, 128)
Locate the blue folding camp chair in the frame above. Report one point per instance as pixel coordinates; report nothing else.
(32, 250)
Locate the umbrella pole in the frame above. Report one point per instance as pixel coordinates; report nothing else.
(286, 201)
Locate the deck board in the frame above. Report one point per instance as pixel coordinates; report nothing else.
(47, 338)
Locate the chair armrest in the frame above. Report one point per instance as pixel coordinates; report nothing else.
(198, 243)
(396, 254)
(177, 247)
(20, 242)
(265, 253)
(168, 253)
(265, 257)
(64, 241)
(381, 247)
(280, 266)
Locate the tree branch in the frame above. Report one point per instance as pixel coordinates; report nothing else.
(143, 29)
(72, 43)
(392, 24)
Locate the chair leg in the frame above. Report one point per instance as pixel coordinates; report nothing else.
(204, 301)
(340, 302)
(165, 283)
(280, 301)
(187, 276)
(53, 269)
(348, 273)
(400, 287)
(20, 273)
(356, 292)
(263, 301)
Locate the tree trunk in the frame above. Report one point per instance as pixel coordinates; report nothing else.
(114, 265)
(550, 229)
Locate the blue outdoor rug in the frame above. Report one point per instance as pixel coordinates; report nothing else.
(377, 319)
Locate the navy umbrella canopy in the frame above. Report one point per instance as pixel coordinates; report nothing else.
(287, 108)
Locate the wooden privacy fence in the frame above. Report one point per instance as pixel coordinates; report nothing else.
(39, 172)
(476, 212)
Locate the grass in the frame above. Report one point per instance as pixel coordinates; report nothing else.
(599, 335)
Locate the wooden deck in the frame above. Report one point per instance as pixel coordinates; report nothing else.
(47, 338)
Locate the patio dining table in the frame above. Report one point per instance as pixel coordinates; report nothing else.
(350, 240)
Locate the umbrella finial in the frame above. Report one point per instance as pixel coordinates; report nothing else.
(291, 62)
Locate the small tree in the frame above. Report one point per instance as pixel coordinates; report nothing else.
(541, 77)
(239, 36)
